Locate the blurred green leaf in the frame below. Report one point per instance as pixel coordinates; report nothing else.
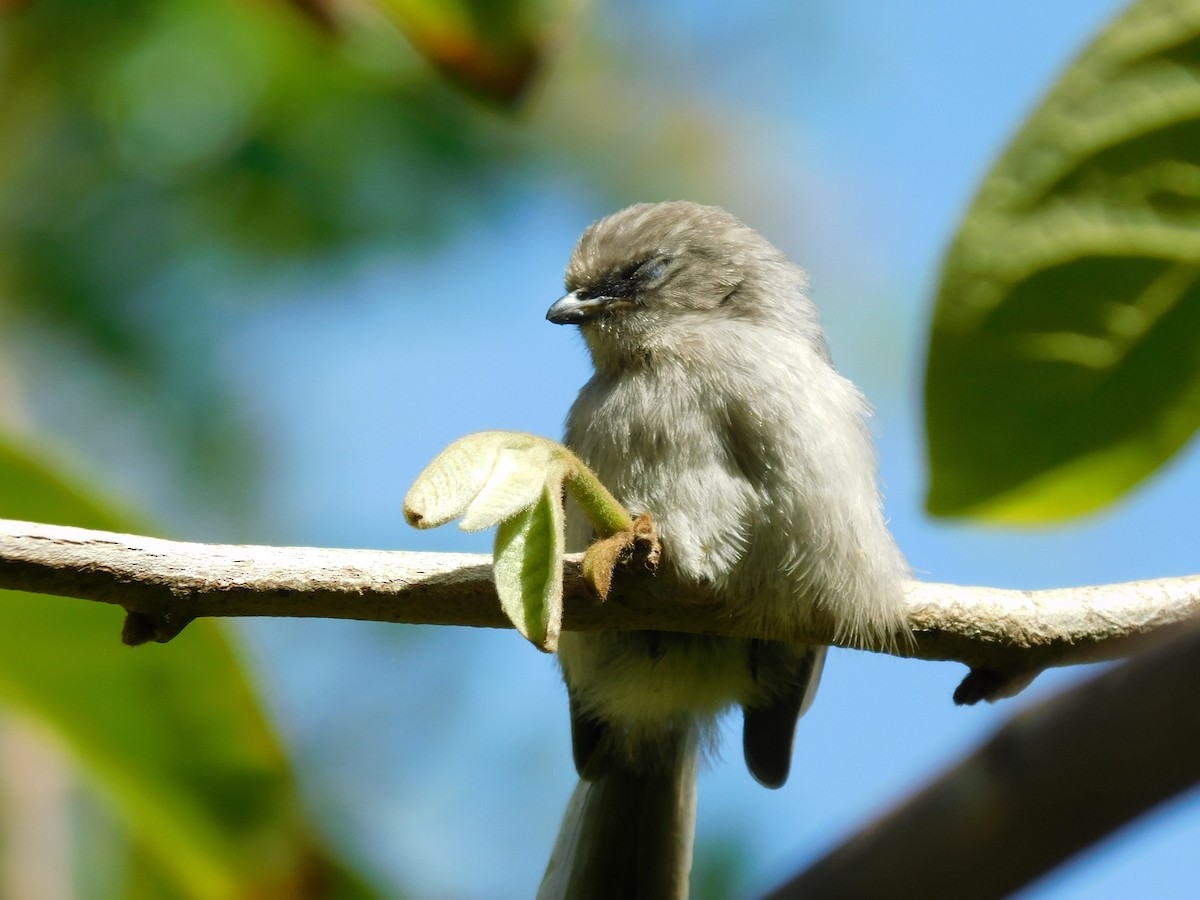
(493, 48)
(173, 736)
(1064, 362)
(168, 161)
(528, 569)
(721, 868)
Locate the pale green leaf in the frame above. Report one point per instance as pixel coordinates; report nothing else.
(1064, 361)
(484, 477)
(446, 487)
(515, 484)
(528, 569)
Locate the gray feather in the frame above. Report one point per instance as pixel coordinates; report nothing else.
(627, 835)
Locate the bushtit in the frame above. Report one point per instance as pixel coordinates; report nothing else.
(714, 407)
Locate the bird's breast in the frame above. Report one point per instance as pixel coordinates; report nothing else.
(657, 442)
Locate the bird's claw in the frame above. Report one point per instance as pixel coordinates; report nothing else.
(639, 541)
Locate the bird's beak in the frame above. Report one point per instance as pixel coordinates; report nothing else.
(575, 310)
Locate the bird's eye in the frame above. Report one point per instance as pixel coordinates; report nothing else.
(652, 269)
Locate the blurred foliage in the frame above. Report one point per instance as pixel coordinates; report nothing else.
(492, 49)
(719, 869)
(172, 738)
(169, 162)
(1064, 364)
(149, 144)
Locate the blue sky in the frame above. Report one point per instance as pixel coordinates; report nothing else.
(864, 128)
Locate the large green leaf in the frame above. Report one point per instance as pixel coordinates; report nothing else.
(172, 736)
(1064, 362)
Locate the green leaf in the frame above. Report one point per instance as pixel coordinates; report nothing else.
(493, 48)
(173, 736)
(1064, 360)
(484, 477)
(528, 569)
(515, 480)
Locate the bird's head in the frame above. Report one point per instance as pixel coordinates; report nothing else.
(657, 277)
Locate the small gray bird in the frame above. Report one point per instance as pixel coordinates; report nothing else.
(714, 407)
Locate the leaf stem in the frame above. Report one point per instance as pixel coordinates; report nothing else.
(606, 514)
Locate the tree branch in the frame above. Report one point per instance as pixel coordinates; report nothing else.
(1005, 636)
(1052, 781)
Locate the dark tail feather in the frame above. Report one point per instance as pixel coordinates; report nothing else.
(769, 731)
(627, 834)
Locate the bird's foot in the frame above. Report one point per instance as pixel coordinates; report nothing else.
(638, 542)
